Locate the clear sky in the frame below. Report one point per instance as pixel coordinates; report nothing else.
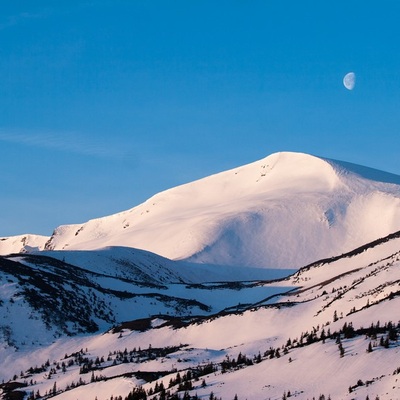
(105, 103)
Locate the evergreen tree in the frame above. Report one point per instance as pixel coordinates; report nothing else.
(341, 350)
(323, 336)
(369, 349)
(386, 343)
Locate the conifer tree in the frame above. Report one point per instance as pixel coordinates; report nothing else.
(369, 349)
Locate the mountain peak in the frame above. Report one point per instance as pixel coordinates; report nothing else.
(283, 211)
(289, 167)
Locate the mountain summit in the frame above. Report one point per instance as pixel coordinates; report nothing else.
(283, 211)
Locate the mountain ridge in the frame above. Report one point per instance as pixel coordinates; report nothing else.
(265, 214)
(241, 215)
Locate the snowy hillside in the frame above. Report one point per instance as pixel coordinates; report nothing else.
(67, 293)
(197, 313)
(284, 211)
(22, 243)
(331, 330)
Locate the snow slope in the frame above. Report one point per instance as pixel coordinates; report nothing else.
(322, 330)
(332, 328)
(283, 211)
(144, 266)
(22, 243)
(51, 294)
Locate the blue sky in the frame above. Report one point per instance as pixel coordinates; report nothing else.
(105, 103)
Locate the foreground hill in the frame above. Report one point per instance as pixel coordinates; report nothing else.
(331, 330)
(47, 295)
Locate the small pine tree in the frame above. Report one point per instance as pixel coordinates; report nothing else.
(386, 343)
(323, 336)
(341, 350)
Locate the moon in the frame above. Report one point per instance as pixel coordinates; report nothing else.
(349, 81)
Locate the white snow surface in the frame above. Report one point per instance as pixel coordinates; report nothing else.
(283, 211)
(135, 264)
(360, 288)
(22, 244)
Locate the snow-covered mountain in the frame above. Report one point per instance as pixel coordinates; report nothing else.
(330, 330)
(86, 315)
(283, 211)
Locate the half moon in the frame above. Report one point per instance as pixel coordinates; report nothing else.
(349, 81)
